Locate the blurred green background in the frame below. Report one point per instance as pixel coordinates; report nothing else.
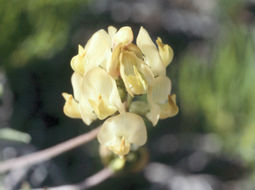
(210, 144)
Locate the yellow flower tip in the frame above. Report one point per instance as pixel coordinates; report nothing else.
(165, 51)
(78, 61)
(121, 148)
(136, 82)
(71, 107)
(66, 95)
(172, 98)
(133, 48)
(114, 67)
(101, 109)
(159, 40)
(142, 28)
(172, 103)
(81, 50)
(131, 73)
(170, 109)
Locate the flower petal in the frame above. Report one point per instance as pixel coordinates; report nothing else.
(150, 52)
(170, 108)
(101, 109)
(132, 78)
(114, 67)
(111, 31)
(87, 114)
(97, 84)
(154, 114)
(78, 62)
(165, 51)
(159, 90)
(71, 108)
(76, 80)
(133, 48)
(124, 36)
(158, 94)
(98, 50)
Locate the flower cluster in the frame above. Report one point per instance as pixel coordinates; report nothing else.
(110, 72)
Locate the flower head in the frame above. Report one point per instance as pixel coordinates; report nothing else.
(109, 72)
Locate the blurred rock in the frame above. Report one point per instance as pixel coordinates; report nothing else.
(35, 176)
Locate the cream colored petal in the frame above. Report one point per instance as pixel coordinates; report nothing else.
(124, 36)
(87, 113)
(76, 80)
(119, 146)
(141, 66)
(81, 50)
(170, 108)
(98, 84)
(154, 114)
(165, 51)
(159, 90)
(150, 52)
(139, 85)
(133, 48)
(98, 50)
(101, 109)
(114, 66)
(147, 73)
(127, 125)
(132, 77)
(71, 108)
(112, 31)
(78, 62)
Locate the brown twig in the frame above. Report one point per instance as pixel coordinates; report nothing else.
(91, 181)
(44, 155)
(96, 179)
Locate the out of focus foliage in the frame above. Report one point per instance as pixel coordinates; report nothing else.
(35, 29)
(219, 88)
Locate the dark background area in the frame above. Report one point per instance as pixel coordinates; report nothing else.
(209, 145)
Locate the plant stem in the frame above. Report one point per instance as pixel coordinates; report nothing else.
(44, 155)
(91, 181)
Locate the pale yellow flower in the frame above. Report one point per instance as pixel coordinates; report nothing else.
(162, 104)
(119, 132)
(139, 69)
(110, 56)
